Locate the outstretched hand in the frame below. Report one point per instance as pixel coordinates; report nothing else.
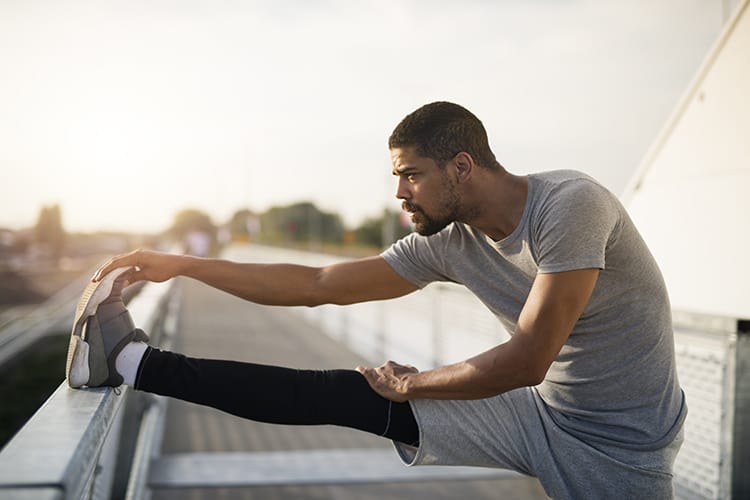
(390, 379)
(149, 265)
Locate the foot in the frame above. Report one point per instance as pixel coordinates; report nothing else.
(101, 328)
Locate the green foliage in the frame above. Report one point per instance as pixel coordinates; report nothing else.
(244, 224)
(191, 220)
(196, 231)
(49, 232)
(381, 231)
(303, 222)
(300, 222)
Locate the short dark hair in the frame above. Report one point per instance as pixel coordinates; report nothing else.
(441, 130)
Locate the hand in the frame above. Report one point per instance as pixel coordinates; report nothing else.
(390, 380)
(150, 266)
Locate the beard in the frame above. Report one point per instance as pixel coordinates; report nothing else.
(425, 224)
(428, 224)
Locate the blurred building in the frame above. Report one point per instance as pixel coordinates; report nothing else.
(689, 198)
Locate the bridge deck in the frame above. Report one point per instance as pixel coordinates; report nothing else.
(215, 324)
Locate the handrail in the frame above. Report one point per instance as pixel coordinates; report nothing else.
(58, 453)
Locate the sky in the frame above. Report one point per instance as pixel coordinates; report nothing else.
(124, 113)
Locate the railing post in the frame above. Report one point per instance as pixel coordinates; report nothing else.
(712, 363)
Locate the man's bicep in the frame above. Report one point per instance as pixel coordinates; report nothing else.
(553, 307)
(362, 280)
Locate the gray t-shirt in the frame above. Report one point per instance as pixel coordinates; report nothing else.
(614, 379)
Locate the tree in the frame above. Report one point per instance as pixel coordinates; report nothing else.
(301, 222)
(196, 230)
(382, 231)
(49, 232)
(244, 225)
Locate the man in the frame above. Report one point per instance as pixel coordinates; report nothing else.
(583, 396)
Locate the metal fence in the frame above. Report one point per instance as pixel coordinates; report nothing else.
(712, 362)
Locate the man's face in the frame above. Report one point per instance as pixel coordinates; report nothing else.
(428, 193)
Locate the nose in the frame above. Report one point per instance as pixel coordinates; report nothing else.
(402, 189)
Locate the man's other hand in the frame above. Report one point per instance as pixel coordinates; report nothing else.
(390, 379)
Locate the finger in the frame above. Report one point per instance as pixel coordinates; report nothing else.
(115, 262)
(393, 365)
(105, 269)
(369, 374)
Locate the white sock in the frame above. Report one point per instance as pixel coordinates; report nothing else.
(129, 360)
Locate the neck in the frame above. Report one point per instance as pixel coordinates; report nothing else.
(499, 202)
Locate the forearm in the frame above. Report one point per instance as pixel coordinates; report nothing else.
(552, 308)
(485, 375)
(500, 369)
(270, 284)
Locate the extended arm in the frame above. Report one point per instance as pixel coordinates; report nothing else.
(273, 284)
(552, 308)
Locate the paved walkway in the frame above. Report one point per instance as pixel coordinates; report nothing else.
(215, 324)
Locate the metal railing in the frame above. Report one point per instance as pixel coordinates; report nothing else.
(712, 364)
(70, 446)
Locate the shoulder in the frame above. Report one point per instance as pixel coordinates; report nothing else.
(574, 203)
(453, 236)
(424, 259)
(559, 189)
(573, 220)
(564, 180)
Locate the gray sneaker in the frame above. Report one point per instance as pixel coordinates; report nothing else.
(101, 328)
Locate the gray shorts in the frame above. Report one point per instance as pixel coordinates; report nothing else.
(514, 431)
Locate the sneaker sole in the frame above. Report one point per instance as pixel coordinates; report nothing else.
(77, 364)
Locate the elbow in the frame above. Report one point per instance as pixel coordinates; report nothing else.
(315, 296)
(324, 289)
(535, 378)
(533, 362)
(317, 300)
(535, 373)
(318, 291)
(531, 373)
(308, 296)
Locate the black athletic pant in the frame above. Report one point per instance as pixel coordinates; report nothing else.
(277, 395)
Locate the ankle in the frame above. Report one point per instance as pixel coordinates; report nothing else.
(129, 360)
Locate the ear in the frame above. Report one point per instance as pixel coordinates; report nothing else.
(464, 166)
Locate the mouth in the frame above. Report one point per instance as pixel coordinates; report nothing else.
(410, 209)
(413, 214)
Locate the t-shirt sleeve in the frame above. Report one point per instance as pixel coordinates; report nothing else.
(418, 258)
(573, 230)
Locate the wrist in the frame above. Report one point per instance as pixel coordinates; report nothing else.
(185, 265)
(410, 386)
